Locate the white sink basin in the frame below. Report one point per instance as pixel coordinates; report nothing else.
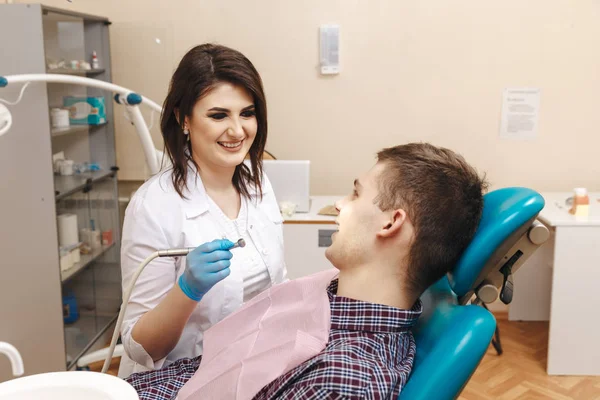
(74, 385)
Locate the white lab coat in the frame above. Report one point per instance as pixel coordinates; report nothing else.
(158, 218)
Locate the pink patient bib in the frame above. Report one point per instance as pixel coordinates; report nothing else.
(271, 334)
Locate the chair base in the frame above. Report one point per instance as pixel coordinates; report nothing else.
(496, 340)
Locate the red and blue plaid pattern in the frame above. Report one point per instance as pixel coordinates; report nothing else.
(369, 356)
(164, 383)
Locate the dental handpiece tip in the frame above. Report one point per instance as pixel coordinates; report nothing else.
(239, 243)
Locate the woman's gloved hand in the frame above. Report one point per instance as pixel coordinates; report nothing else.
(206, 265)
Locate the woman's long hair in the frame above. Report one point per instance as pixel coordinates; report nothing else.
(199, 71)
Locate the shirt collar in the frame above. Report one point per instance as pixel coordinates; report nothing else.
(196, 198)
(356, 315)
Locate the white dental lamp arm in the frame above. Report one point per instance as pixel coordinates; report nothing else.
(76, 80)
(123, 96)
(144, 134)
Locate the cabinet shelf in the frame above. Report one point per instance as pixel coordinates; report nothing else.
(66, 185)
(85, 260)
(92, 285)
(74, 129)
(69, 71)
(83, 333)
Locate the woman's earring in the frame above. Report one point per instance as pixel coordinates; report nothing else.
(186, 132)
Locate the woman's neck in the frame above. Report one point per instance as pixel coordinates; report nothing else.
(215, 179)
(218, 184)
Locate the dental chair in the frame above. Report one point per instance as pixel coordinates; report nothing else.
(454, 331)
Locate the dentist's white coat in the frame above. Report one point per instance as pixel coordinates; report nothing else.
(158, 218)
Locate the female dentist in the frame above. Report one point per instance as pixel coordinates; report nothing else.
(214, 115)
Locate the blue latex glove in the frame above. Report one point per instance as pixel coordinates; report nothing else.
(206, 265)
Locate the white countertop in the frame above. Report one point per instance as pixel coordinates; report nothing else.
(316, 204)
(554, 213)
(556, 210)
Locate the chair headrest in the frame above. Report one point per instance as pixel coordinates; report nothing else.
(504, 211)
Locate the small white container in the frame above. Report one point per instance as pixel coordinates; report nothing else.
(67, 229)
(95, 240)
(60, 118)
(75, 255)
(67, 167)
(91, 238)
(66, 261)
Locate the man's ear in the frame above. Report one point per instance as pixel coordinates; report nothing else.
(394, 224)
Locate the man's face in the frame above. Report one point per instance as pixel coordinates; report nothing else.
(359, 220)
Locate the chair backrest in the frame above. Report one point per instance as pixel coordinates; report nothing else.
(452, 338)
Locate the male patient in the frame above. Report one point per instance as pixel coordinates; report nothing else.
(403, 227)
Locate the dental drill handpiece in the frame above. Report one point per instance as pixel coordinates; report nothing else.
(161, 253)
(186, 250)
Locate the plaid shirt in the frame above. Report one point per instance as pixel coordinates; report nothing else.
(369, 356)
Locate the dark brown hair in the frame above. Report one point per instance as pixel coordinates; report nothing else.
(199, 71)
(442, 196)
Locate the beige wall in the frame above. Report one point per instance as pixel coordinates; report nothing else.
(430, 70)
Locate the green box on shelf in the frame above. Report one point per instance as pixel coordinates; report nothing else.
(85, 110)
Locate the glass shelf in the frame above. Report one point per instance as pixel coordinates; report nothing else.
(74, 129)
(66, 185)
(83, 333)
(70, 71)
(85, 260)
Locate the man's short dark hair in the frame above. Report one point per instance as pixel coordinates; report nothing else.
(443, 198)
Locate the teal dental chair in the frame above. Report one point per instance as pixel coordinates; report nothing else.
(454, 331)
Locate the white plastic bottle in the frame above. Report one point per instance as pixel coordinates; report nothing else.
(95, 62)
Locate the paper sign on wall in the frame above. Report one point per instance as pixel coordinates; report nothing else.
(520, 113)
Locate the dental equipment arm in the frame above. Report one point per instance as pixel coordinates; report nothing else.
(126, 96)
(123, 96)
(161, 253)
